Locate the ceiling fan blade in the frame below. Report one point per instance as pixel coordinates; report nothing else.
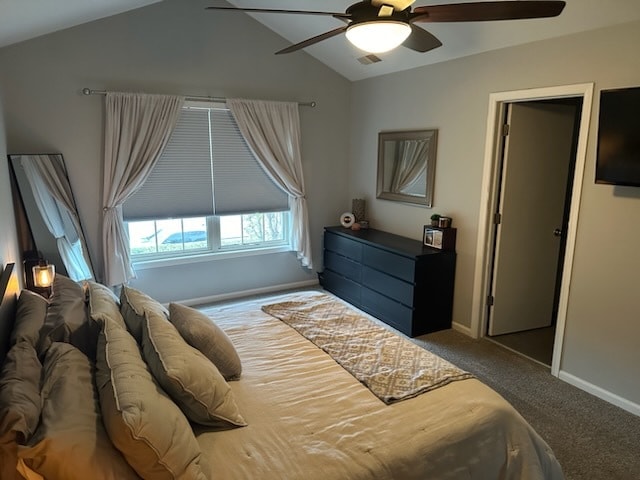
(293, 12)
(487, 11)
(420, 40)
(313, 40)
(398, 5)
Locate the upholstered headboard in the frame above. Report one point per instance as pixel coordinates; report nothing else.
(8, 296)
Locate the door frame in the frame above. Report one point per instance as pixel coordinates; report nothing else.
(488, 198)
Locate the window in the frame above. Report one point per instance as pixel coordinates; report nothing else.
(206, 194)
(150, 239)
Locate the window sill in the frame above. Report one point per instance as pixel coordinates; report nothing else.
(206, 257)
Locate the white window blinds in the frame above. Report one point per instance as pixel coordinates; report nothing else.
(206, 169)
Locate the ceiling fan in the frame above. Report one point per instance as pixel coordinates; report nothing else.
(377, 26)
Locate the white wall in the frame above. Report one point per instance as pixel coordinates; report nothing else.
(175, 47)
(603, 327)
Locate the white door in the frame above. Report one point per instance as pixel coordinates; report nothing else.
(536, 162)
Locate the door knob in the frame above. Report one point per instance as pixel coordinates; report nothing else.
(557, 232)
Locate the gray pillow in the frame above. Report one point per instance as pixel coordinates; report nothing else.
(20, 402)
(67, 319)
(203, 334)
(31, 311)
(71, 441)
(103, 304)
(194, 383)
(133, 304)
(142, 422)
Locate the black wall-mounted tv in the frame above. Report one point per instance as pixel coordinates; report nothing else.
(618, 158)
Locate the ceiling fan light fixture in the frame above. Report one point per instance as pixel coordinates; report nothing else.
(378, 36)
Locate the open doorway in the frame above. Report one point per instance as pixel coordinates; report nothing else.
(543, 182)
(536, 170)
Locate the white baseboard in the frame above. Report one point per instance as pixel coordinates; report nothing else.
(248, 293)
(599, 392)
(462, 329)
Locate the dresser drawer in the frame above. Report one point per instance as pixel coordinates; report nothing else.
(341, 286)
(391, 287)
(391, 263)
(393, 313)
(343, 265)
(343, 246)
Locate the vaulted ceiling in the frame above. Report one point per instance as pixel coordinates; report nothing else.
(24, 19)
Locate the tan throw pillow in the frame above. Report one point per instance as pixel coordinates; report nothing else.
(203, 334)
(194, 383)
(142, 422)
(133, 303)
(30, 315)
(20, 402)
(103, 304)
(71, 441)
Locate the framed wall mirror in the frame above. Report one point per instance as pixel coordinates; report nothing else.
(47, 201)
(406, 166)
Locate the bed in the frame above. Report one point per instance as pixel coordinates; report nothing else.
(285, 408)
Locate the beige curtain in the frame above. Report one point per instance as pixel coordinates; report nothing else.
(411, 163)
(272, 131)
(137, 128)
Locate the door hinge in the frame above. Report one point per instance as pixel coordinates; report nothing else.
(490, 301)
(505, 129)
(497, 218)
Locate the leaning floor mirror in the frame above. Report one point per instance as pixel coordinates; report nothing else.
(52, 214)
(406, 166)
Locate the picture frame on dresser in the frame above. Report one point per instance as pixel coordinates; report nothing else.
(439, 237)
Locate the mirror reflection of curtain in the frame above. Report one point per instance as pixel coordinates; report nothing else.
(54, 199)
(410, 165)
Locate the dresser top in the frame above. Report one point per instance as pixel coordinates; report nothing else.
(389, 241)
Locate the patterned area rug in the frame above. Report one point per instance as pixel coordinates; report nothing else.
(392, 367)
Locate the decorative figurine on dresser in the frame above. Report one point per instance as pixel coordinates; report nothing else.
(398, 280)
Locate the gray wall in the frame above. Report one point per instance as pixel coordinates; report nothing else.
(9, 252)
(603, 327)
(175, 47)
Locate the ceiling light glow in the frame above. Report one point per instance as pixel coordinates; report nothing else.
(378, 36)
